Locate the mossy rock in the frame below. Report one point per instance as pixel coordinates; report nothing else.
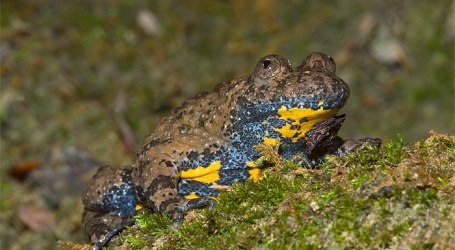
(395, 197)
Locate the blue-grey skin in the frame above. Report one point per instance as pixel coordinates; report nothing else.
(219, 130)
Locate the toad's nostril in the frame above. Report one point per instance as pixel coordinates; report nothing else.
(266, 63)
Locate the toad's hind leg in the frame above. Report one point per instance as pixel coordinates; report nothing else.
(159, 179)
(109, 200)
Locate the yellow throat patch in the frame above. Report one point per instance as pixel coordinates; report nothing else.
(303, 120)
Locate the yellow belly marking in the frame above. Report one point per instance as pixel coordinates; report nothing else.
(255, 172)
(203, 174)
(271, 141)
(191, 196)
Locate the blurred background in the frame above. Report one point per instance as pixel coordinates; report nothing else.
(82, 82)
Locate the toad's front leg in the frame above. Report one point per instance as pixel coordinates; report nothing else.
(323, 139)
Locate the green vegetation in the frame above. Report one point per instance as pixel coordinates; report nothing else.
(396, 196)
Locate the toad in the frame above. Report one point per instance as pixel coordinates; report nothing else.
(209, 142)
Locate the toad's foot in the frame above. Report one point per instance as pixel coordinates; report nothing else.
(100, 228)
(353, 145)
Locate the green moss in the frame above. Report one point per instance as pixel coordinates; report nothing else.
(394, 151)
(357, 201)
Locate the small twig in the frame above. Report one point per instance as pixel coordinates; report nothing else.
(124, 129)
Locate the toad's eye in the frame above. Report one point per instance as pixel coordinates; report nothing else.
(272, 66)
(319, 61)
(266, 63)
